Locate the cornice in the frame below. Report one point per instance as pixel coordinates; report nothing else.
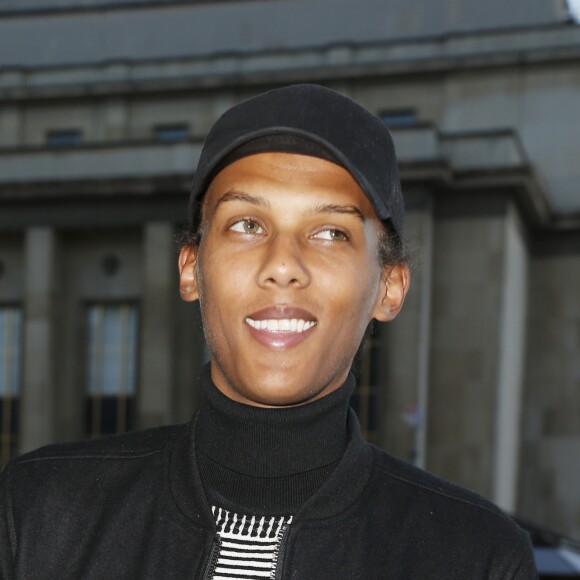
(334, 63)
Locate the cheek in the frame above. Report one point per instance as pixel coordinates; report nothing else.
(370, 296)
(221, 282)
(226, 281)
(352, 297)
(366, 279)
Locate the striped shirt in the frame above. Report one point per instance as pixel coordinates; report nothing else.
(249, 546)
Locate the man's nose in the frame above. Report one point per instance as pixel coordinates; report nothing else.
(284, 263)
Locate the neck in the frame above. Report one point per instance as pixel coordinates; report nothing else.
(269, 459)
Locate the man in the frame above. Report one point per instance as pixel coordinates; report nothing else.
(294, 247)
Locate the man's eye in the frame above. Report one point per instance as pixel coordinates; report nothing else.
(246, 227)
(331, 235)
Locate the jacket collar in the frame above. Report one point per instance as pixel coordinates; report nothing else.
(341, 489)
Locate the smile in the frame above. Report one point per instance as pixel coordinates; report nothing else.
(281, 324)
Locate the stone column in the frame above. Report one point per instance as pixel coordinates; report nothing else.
(511, 342)
(10, 125)
(468, 283)
(155, 393)
(425, 290)
(38, 389)
(113, 123)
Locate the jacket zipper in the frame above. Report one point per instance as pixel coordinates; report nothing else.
(280, 551)
(213, 559)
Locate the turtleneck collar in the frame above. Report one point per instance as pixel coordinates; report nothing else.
(271, 443)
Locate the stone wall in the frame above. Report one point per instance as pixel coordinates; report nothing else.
(467, 281)
(550, 461)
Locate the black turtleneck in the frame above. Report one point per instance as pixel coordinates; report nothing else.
(268, 460)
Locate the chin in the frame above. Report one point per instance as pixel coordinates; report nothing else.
(281, 394)
(276, 383)
(276, 402)
(274, 393)
(275, 398)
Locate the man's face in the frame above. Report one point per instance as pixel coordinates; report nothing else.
(287, 276)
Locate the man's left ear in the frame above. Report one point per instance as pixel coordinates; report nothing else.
(395, 283)
(188, 287)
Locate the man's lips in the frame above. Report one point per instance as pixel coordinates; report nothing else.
(280, 327)
(281, 319)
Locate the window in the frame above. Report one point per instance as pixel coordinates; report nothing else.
(365, 399)
(398, 118)
(111, 368)
(171, 133)
(10, 332)
(64, 138)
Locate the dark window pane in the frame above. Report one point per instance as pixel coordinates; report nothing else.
(15, 417)
(170, 133)
(8, 429)
(64, 138)
(109, 415)
(10, 327)
(365, 399)
(399, 118)
(9, 416)
(10, 331)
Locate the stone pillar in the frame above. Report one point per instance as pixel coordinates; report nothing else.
(477, 358)
(511, 341)
(155, 393)
(10, 126)
(468, 284)
(425, 291)
(549, 476)
(38, 389)
(113, 124)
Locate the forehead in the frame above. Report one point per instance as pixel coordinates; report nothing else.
(288, 179)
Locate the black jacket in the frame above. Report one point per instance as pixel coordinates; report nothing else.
(133, 506)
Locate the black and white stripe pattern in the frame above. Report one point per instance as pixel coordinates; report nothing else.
(249, 545)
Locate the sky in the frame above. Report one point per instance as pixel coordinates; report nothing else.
(575, 8)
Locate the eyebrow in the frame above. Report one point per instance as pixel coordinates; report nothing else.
(341, 209)
(330, 208)
(234, 195)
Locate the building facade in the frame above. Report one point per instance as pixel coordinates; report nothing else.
(103, 111)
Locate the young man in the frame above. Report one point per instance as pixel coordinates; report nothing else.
(294, 247)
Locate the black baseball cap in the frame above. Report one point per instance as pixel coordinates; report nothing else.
(311, 120)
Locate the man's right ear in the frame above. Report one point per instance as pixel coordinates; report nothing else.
(188, 289)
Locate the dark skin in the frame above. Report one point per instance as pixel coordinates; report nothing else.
(288, 277)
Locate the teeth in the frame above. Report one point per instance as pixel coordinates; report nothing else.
(282, 324)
